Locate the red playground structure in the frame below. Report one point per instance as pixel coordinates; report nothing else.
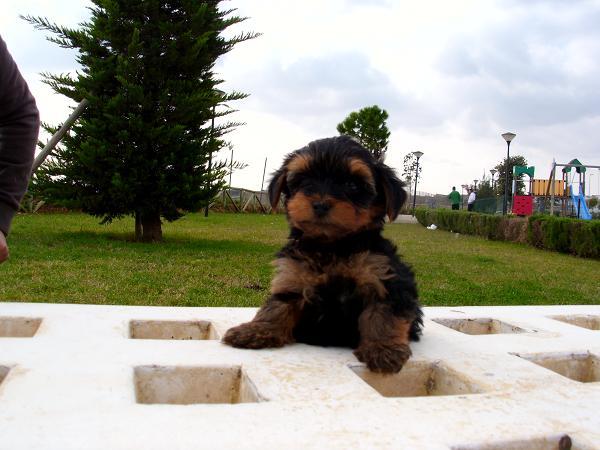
(522, 205)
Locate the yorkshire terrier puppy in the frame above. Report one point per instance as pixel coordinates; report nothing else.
(338, 282)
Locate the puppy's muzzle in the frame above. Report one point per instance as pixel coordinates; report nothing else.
(321, 209)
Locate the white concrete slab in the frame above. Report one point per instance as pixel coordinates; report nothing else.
(71, 377)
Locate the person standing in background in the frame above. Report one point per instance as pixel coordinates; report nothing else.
(19, 128)
(454, 198)
(471, 199)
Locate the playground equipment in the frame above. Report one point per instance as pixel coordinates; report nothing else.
(579, 202)
(523, 204)
(571, 193)
(565, 190)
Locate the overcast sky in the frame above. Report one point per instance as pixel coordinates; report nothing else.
(453, 75)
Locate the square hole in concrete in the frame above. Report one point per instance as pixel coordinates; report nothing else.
(582, 367)
(3, 372)
(19, 326)
(479, 326)
(171, 329)
(558, 442)
(580, 320)
(189, 385)
(418, 379)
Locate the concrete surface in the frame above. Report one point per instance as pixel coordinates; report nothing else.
(406, 218)
(112, 377)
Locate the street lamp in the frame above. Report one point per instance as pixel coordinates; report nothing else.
(220, 94)
(418, 155)
(212, 137)
(507, 137)
(475, 184)
(493, 172)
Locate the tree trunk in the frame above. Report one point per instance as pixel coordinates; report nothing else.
(151, 227)
(138, 226)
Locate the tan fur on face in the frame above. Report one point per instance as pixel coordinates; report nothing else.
(300, 163)
(300, 208)
(368, 270)
(360, 168)
(301, 215)
(343, 217)
(345, 214)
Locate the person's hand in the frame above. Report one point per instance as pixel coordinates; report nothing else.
(3, 248)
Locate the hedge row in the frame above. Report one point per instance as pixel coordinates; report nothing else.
(578, 237)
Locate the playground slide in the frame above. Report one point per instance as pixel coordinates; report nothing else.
(579, 200)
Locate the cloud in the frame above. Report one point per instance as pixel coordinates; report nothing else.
(320, 91)
(535, 68)
(28, 45)
(452, 76)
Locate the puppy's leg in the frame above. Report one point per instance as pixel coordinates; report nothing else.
(271, 327)
(384, 338)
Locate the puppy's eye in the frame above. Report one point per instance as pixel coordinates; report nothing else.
(351, 186)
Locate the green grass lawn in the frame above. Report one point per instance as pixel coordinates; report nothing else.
(224, 260)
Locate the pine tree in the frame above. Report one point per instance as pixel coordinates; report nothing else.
(484, 189)
(369, 128)
(143, 145)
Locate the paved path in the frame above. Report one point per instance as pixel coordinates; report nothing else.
(405, 218)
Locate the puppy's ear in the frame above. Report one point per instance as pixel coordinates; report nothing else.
(391, 189)
(277, 185)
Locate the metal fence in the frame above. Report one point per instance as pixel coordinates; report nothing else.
(236, 199)
(242, 200)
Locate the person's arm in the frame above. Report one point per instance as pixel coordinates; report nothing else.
(19, 128)
(3, 248)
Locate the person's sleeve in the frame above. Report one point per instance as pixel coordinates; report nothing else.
(19, 128)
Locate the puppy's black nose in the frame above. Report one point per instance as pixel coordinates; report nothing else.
(321, 208)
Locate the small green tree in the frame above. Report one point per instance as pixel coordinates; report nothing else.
(484, 189)
(409, 167)
(144, 144)
(369, 128)
(516, 160)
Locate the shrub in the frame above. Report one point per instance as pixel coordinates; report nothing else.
(460, 221)
(512, 229)
(578, 237)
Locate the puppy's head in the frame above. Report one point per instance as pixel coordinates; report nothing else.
(334, 187)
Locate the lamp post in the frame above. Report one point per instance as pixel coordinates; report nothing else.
(493, 172)
(220, 94)
(475, 184)
(418, 155)
(212, 139)
(507, 137)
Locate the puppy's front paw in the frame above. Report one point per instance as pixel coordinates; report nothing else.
(383, 357)
(255, 335)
